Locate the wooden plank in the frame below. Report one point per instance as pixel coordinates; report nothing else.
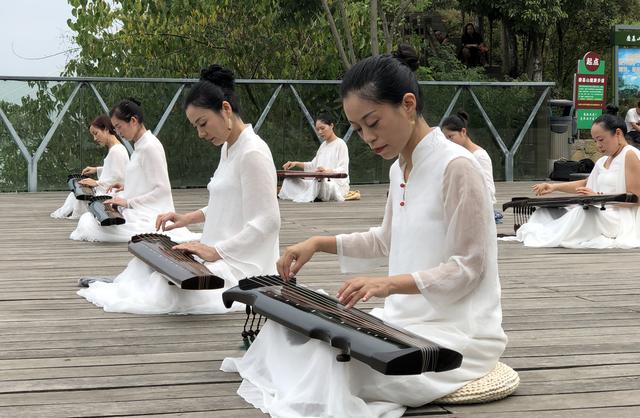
(572, 316)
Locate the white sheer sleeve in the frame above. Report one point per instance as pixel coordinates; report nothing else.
(361, 251)
(487, 170)
(468, 218)
(342, 165)
(115, 166)
(259, 206)
(154, 167)
(311, 165)
(204, 210)
(99, 171)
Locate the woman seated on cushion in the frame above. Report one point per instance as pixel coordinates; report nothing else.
(332, 156)
(111, 171)
(618, 171)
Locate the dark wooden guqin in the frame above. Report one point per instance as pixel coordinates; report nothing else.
(107, 214)
(79, 191)
(283, 174)
(387, 349)
(524, 207)
(181, 269)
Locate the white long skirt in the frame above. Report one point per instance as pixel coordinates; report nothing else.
(137, 222)
(307, 190)
(580, 228)
(71, 209)
(141, 290)
(288, 376)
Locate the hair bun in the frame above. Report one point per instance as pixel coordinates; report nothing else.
(407, 56)
(463, 115)
(219, 76)
(134, 100)
(612, 109)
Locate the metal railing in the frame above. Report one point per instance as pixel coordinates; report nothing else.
(279, 85)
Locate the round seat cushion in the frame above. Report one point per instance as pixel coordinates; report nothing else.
(499, 383)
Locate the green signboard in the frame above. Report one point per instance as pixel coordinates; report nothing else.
(626, 37)
(589, 89)
(626, 65)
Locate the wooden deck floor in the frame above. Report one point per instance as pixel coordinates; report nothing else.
(573, 320)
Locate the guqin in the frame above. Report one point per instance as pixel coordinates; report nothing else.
(107, 215)
(283, 174)
(385, 348)
(182, 269)
(79, 191)
(524, 207)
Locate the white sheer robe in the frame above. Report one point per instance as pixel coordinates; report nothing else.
(334, 156)
(438, 227)
(487, 171)
(242, 221)
(148, 193)
(112, 171)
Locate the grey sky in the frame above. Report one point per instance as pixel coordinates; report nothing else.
(33, 29)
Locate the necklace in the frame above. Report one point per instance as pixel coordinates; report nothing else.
(615, 154)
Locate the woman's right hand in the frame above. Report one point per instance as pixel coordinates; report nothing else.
(289, 165)
(294, 257)
(87, 171)
(116, 187)
(543, 188)
(177, 220)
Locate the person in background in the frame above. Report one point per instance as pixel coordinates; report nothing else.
(455, 128)
(632, 120)
(332, 156)
(473, 47)
(146, 191)
(111, 172)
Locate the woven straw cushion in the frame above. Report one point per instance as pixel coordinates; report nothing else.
(501, 382)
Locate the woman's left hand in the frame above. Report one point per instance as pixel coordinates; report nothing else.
(117, 201)
(363, 288)
(586, 191)
(201, 250)
(88, 182)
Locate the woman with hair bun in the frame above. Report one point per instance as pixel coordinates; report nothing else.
(241, 221)
(332, 156)
(111, 171)
(146, 190)
(455, 128)
(617, 171)
(438, 238)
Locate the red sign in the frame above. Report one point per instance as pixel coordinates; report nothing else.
(591, 61)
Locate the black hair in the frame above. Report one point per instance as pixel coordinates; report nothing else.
(456, 122)
(385, 78)
(325, 118)
(638, 104)
(215, 86)
(103, 122)
(467, 25)
(611, 123)
(127, 109)
(611, 109)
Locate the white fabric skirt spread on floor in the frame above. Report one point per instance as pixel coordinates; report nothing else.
(306, 190)
(580, 228)
(287, 375)
(141, 290)
(89, 229)
(71, 209)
